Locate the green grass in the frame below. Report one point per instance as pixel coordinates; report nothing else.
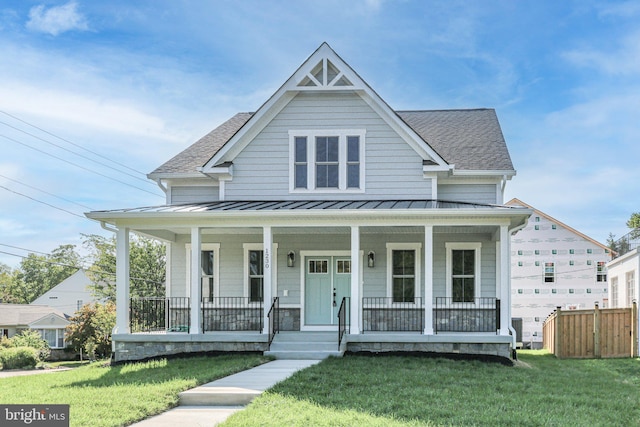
(411, 391)
(99, 395)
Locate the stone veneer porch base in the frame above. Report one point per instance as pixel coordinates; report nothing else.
(130, 347)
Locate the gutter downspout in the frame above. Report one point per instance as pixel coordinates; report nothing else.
(510, 326)
(108, 228)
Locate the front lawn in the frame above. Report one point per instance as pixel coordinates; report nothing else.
(411, 391)
(120, 395)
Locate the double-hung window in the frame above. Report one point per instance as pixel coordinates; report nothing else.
(549, 272)
(256, 274)
(463, 271)
(404, 271)
(327, 160)
(209, 271)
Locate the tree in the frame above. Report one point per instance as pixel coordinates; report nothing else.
(6, 284)
(39, 273)
(634, 224)
(147, 266)
(91, 327)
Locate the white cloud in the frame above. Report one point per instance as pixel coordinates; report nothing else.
(623, 60)
(56, 20)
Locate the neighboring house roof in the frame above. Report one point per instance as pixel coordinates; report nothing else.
(518, 202)
(23, 315)
(469, 139)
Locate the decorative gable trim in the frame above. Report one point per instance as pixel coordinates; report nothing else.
(324, 70)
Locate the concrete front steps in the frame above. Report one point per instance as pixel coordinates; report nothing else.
(304, 345)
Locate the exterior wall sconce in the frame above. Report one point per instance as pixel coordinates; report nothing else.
(291, 259)
(371, 259)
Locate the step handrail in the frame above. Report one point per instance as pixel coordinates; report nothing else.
(344, 323)
(274, 320)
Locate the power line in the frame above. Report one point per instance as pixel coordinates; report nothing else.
(72, 143)
(89, 270)
(73, 152)
(77, 165)
(45, 192)
(44, 203)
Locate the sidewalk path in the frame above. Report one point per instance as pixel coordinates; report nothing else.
(212, 403)
(19, 372)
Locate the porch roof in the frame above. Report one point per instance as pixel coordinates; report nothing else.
(306, 205)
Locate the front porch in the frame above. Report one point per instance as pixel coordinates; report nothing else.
(160, 326)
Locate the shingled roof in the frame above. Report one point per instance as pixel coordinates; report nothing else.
(469, 139)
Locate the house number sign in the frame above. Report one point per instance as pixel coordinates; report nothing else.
(267, 258)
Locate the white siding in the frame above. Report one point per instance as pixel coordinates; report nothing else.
(471, 193)
(193, 194)
(393, 169)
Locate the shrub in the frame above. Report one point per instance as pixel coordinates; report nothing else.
(33, 339)
(19, 358)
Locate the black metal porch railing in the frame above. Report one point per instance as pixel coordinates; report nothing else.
(159, 314)
(274, 319)
(231, 314)
(344, 320)
(479, 315)
(383, 314)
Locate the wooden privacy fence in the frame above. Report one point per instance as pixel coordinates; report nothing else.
(589, 334)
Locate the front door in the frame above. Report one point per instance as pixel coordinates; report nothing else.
(327, 281)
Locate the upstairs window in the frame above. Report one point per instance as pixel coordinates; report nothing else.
(549, 272)
(601, 272)
(327, 161)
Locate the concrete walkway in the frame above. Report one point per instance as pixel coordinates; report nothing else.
(212, 403)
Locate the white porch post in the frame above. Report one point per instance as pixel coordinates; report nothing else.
(428, 280)
(196, 281)
(356, 266)
(503, 291)
(267, 238)
(122, 281)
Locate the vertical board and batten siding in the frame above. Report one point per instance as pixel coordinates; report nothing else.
(193, 194)
(470, 193)
(596, 333)
(392, 168)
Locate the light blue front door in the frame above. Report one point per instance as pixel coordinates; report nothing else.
(327, 281)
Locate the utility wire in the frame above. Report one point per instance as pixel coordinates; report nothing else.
(72, 143)
(44, 203)
(78, 166)
(77, 154)
(90, 270)
(45, 192)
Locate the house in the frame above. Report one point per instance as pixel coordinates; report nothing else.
(553, 265)
(69, 295)
(328, 218)
(48, 321)
(624, 271)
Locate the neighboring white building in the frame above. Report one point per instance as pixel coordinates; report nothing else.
(49, 322)
(553, 265)
(624, 278)
(69, 295)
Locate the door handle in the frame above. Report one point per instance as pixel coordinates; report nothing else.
(334, 298)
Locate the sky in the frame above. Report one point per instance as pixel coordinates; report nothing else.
(94, 95)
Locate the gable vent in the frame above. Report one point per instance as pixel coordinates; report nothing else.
(325, 74)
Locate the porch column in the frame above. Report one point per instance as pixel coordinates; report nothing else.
(428, 280)
(503, 291)
(267, 239)
(196, 282)
(122, 281)
(354, 310)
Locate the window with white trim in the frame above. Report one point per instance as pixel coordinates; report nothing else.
(463, 271)
(403, 272)
(631, 288)
(209, 260)
(327, 160)
(255, 260)
(53, 337)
